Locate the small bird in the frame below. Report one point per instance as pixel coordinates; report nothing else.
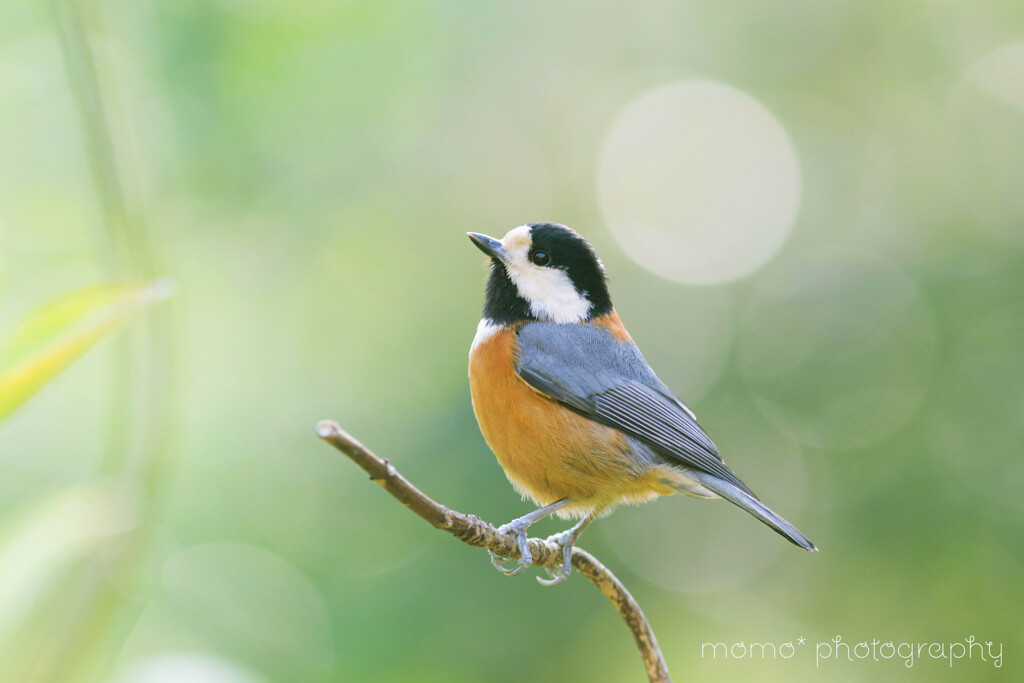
(575, 415)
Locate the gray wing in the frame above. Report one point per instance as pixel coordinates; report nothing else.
(585, 368)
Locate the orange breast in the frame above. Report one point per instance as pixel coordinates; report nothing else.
(547, 451)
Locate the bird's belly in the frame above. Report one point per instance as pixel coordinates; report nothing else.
(547, 451)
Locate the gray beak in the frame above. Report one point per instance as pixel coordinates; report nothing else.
(488, 245)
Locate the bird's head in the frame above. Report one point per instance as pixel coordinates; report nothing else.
(543, 271)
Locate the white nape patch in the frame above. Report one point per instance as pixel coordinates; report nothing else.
(484, 331)
(549, 291)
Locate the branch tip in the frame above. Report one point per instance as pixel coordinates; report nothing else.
(327, 428)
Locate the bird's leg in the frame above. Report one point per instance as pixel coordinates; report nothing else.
(567, 539)
(519, 527)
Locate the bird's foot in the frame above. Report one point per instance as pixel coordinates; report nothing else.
(525, 556)
(565, 540)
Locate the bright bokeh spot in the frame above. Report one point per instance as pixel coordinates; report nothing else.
(699, 182)
(186, 667)
(987, 137)
(1000, 73)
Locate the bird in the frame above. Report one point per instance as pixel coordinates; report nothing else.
(576, 417)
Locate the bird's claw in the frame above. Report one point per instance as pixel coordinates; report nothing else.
(565, 540)
(525, 556)
(498, 562)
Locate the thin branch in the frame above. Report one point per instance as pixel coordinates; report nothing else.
(476, 532)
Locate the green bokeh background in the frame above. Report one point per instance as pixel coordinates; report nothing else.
(306, 171)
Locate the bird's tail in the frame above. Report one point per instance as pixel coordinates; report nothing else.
(742, 499)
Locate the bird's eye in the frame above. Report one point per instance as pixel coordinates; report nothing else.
(541, 258)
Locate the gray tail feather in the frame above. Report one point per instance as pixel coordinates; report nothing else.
(742, 499)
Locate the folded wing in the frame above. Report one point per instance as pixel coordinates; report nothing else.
(585, 368)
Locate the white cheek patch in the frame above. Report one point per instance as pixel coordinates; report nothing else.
(549, 291)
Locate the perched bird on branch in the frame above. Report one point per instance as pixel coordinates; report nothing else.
(564, 398)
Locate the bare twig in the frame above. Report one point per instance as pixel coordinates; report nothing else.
(476, 532)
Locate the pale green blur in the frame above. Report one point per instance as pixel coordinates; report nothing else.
(305, 172)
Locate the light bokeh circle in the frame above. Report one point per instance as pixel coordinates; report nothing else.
(1000, 73)
(838, 348)
(698, 182)
(986, 115)
(186, 667)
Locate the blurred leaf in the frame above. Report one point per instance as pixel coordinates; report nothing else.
(51, 337)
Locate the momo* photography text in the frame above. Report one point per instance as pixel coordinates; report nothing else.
(837, 649)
